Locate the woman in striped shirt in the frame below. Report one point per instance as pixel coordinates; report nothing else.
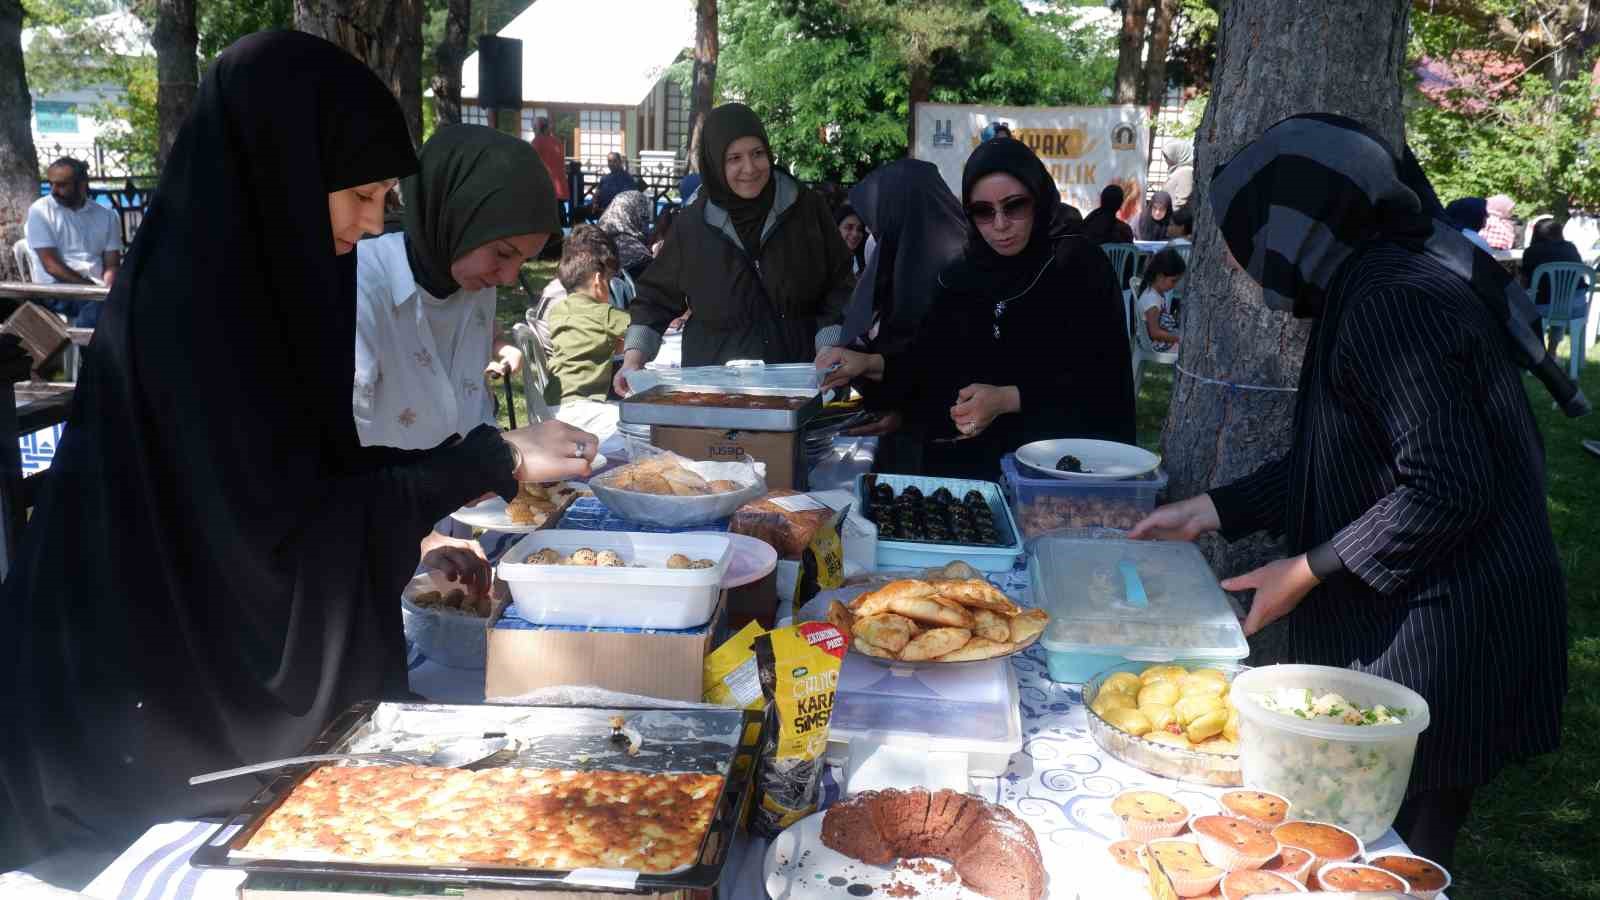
(1412, 498)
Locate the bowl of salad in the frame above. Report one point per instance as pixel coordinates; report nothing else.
(1338, 743)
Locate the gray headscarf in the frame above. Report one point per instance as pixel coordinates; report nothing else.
(626, 219)
(1179, 154)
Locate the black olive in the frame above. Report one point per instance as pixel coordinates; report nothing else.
(883, 493)
(911, 491)
(1069, 463)
(943, 495)
(974, 498)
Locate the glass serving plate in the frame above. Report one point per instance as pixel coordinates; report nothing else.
(1218, 769)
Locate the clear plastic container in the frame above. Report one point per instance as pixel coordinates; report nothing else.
(1353, 776)
(910, 554)
(1046, 505)
(623, 597)
(1091, 589)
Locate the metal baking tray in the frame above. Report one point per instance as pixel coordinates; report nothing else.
(709, 741)
(642, 409)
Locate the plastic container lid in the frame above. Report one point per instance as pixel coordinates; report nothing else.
(963, 708)
(1090, 587)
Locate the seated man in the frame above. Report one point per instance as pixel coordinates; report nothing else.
(586, 332)
(1549, 246)
(73, 241)
(616, 181)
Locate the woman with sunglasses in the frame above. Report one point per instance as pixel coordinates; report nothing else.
(1025, 339)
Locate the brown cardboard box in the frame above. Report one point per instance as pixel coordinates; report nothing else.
(782, 451)
(669, 666)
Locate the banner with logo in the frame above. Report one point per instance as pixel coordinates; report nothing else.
(1084, 147)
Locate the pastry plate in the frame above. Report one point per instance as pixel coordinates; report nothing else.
(490, 515)
(751, 560)
(817, 607)
(1103, 460)
(798, 866)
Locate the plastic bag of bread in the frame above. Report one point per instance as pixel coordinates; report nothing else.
(663, 488)
(787, 520)
(799, 670)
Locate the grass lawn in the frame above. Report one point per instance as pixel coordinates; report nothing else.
(1535, 831)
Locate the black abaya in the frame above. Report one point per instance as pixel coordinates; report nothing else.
(211, 574)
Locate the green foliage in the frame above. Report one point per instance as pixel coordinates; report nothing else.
(831, 80)
(73, 53)
(222, 22)
(1189, 121)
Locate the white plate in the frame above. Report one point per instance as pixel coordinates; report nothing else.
(1104, 460)
(751, 560)
(798, 866)
(490, 515)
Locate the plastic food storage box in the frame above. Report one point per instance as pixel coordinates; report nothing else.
(1353, 776)
(1098, 618)
(626, 597)
(926, 554)
(1044, 505)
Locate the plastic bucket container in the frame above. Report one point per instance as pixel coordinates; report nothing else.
(1353, 776)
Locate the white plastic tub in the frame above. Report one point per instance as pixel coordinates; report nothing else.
(650, 597)
(1353, 776)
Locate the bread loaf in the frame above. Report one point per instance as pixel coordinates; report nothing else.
(789, 532)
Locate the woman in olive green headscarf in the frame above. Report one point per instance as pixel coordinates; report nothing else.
(480, 205)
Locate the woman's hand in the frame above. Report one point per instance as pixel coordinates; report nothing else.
(978, 405)
(632, 361)
(1181, 521)
(839, 366)
(1279, 587)
(888, 423)
(508, 362)
(460, 561)
(552, 451)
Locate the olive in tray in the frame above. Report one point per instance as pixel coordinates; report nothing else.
(937, 517)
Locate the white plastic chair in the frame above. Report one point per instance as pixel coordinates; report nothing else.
(535, 373)
(1571, 285)
(1144, 350)
(23, 259)
(1122, 258)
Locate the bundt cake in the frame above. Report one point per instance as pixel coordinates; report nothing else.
(994, 852)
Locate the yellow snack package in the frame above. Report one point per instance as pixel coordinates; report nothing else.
(799, 668)
(731, 676)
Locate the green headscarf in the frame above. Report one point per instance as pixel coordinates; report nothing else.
(474, 185)
(724, 125)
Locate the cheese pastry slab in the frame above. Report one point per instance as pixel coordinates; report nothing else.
(935, 643)
(534, 818)
(991, 625)
(978, 648)
(886, 630)
(1028, 624)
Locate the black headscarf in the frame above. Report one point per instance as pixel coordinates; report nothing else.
(1100, 225)
(979, 266)
(474, 185)
(920, 228)
(1471, 213)
(726, 124)
(1298, 202)
(211, 575)
(1149, 228)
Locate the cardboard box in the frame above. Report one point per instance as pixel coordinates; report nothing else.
(666, 665)
(782, 451)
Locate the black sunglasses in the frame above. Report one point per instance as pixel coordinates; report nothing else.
(1014, 209)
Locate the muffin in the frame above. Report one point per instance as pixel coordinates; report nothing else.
(1357, 878)
(1191, 875)
(1291, 862)
(1262, 809)
(1147, 815)
(1326, 843)
(1427, 878)
(1230, 843)
(1251, 883)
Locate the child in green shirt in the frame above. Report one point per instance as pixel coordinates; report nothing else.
(586, 332)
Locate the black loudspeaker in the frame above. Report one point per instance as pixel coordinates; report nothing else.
(499, 72)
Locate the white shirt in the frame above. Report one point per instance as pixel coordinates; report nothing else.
(1151, 300)
(82, 237)
(419, 359)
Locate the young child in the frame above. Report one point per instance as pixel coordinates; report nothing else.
(1181, 230)
(586, 331)
(1161, 275)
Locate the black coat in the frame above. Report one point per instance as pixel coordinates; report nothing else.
(772, 307)
(1062, 342)
(1416, 454)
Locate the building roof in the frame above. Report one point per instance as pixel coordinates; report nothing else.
(594, 52)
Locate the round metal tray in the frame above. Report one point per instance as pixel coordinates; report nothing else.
(1219, 769)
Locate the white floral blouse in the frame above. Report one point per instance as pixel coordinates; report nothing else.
(410, 392)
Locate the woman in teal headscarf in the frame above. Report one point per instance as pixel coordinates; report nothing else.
(426, 342)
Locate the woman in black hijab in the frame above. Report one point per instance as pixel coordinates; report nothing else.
(1026, 338)
(758, 254)
(1412, 498)
(212, 572)
(1102, 226)
(1153, 221)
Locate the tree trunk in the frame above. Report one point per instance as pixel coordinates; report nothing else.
(1130, 50)
(19, 162)
(1275, 58)
(703, 91)
(921, 88)
(176, 41)
(448, 57)
(1155, 62)
(384, 34)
